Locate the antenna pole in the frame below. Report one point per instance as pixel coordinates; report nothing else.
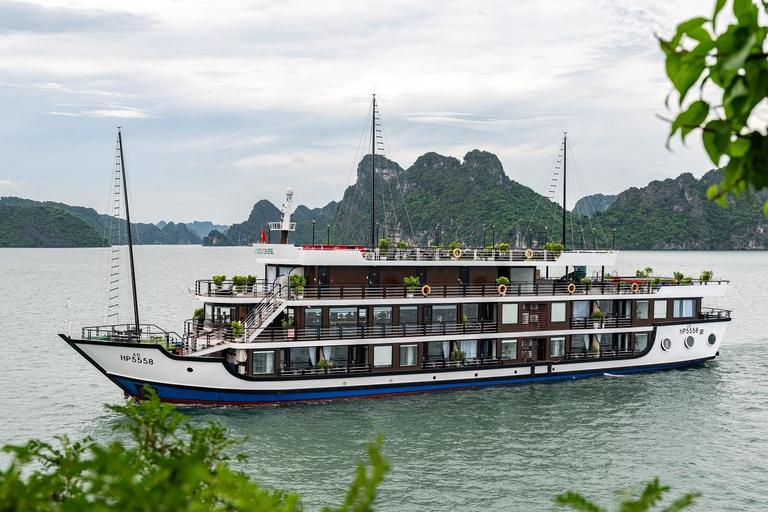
(373, 172)
(130, 240)
(565, 181)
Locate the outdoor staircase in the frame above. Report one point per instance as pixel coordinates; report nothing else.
(267, 310)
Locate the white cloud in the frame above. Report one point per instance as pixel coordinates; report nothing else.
(8, 183)
(108, 111)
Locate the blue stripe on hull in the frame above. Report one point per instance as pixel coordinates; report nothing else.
(214, 396)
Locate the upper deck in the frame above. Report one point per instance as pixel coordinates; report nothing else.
(319, 255)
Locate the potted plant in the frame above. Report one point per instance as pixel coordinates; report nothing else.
(384, 245)
(458, 355)
(587, 283)
(502, 247)
(199, 316)
(656, 281)
(502, 280)
(298, 283)
(411, 283)
(324, 365)
(678, 276)
(686, 280)
(239, 283)
(706, 276)
(598, 317)
(464, 319)
(646, 272)
(250, 282)
(237, 329)
(218, 281)
(400, 247)
(287, 324)
(555, 248)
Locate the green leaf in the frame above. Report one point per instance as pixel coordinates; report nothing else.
(693, 28)
(718, 7)
(737, 59)
(712, 191)
(765, 209)
(690, 119)
(577, 502)
(716, 139)
(740, 146)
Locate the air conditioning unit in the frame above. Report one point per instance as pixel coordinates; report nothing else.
(242, 356)
(534, 306)
(241, 369)
(534, 319)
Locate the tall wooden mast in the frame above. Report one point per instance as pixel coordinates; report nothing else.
(373, 173)
(128, 226)
(565, 181)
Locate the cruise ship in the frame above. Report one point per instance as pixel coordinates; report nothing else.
(324, 322)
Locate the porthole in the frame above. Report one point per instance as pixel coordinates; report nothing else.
(475, 375)
(666, 344)
(190, 370)
(712, 339)
(689, 341)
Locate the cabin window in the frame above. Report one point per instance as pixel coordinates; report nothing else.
(683, 308)
(224, 314)
(580, 309)
(605, 341)
(558, 312)
(443, 314)
(660, 309)
(359, 355)
(342, 316)
(263, 362)
(303, 357)
(382, 356)
(438, 350)
(580, 343)
(313, 317)
(469, 347)
(556, 347)
(487, 349)
(488, 313)
(641, 341)
(641, 309)
(509, 350)
(338, 355)
(409, 318)
(509, 314)
(409, 355)
(606, 306)
(382, 315)
(471, 311)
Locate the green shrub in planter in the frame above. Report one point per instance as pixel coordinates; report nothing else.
(298, 283)
(458, 355)
(199, 314)
(554, 247)
(411, 283)
(598, 316)
(239, 282)
(384, 244)
(237, 329)
(678, 276)
(324, 365)
(706, 276)
(455, 245)
(218, 281)
(250, 280)
(401, 244)
(686, 280)
(502, 280)
(587, 283)
(656, 281)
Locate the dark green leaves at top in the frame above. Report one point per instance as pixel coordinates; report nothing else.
(651, 495)
(733, 65)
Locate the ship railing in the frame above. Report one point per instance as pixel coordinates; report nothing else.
(333, 370)
(612, 322)
(201, 335)
(714, 313)
(585, 354)
(520, 289)
(447, 363)
(227, 288)
(337, 332)
(463, 254)
(127, 333)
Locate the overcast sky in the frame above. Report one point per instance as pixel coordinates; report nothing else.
(226, 103)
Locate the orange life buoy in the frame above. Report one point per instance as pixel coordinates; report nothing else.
(502, 289)
(457, 253)
(528, 254)
(634, 287)
(426, 290)
(571, 288)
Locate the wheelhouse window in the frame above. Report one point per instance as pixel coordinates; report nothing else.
(660, 309)
(263, 362)
(382, 356)
(641, 341)
(558, 312)
(641, 309)
(509, 314)
(338, 355)
(509, 350)
(683, 308)
(557, 347)
(409, 355)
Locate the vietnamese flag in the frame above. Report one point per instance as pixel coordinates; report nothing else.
(263, 236)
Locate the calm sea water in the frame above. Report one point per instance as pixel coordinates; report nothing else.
(703, 429)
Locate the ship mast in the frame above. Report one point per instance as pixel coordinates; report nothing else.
(565, 151)
(130, 240)
(373, 174)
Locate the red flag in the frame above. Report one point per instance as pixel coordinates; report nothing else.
(263, 236)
